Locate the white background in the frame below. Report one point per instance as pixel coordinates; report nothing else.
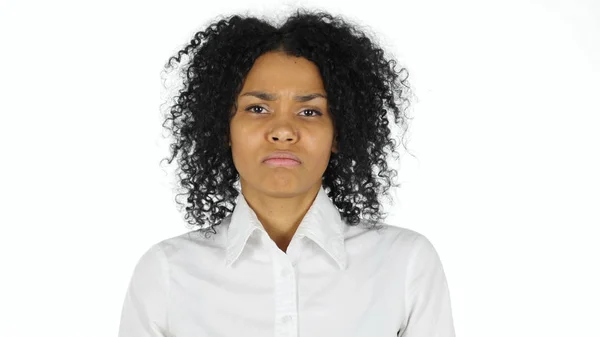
(505, 132)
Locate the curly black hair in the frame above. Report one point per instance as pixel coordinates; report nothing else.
(362, 87)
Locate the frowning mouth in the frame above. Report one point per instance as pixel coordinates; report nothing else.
(282, 158)
(285, 162)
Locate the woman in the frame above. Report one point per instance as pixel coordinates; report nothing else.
(297, 115)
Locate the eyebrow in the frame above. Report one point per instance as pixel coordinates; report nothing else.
(271, 97)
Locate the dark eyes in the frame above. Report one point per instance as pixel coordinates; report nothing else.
(256, 109)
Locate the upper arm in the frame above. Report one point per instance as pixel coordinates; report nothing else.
(428, 305)
(144, 311)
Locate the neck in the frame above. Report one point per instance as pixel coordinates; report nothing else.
(280, 214)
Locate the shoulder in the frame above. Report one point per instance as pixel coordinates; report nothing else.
(412, 250)
(417, 243)
(417, 251)
(396, 240)
(194, 243)
(387, 233)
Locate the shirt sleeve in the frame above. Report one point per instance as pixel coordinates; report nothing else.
(144, 311)
(428, 305)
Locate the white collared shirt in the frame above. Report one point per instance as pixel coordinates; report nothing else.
(334, 280)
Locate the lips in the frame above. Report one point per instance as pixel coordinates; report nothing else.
(282, 155)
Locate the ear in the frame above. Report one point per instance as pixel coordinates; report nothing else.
(334, 148)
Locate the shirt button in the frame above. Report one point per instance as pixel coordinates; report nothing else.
(286, 318)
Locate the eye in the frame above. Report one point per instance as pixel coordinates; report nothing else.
(250, 108)
(314, 112)
(253, 108)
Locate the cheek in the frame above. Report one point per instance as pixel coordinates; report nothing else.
(320, 150)
(323, 159)
(245, 144)
(239, 133)
(320, 142)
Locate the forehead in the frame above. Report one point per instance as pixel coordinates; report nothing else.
(276, 71)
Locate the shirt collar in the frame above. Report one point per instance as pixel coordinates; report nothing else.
(322, 224)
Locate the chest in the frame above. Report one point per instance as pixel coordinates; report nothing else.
(258, 298)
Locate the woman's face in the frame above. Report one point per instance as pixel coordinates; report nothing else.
(270, 117)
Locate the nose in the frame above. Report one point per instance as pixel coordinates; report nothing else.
(283, 133)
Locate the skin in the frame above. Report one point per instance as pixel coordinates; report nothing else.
(281, 196)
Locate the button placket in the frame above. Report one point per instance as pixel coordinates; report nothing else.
(285, 295)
